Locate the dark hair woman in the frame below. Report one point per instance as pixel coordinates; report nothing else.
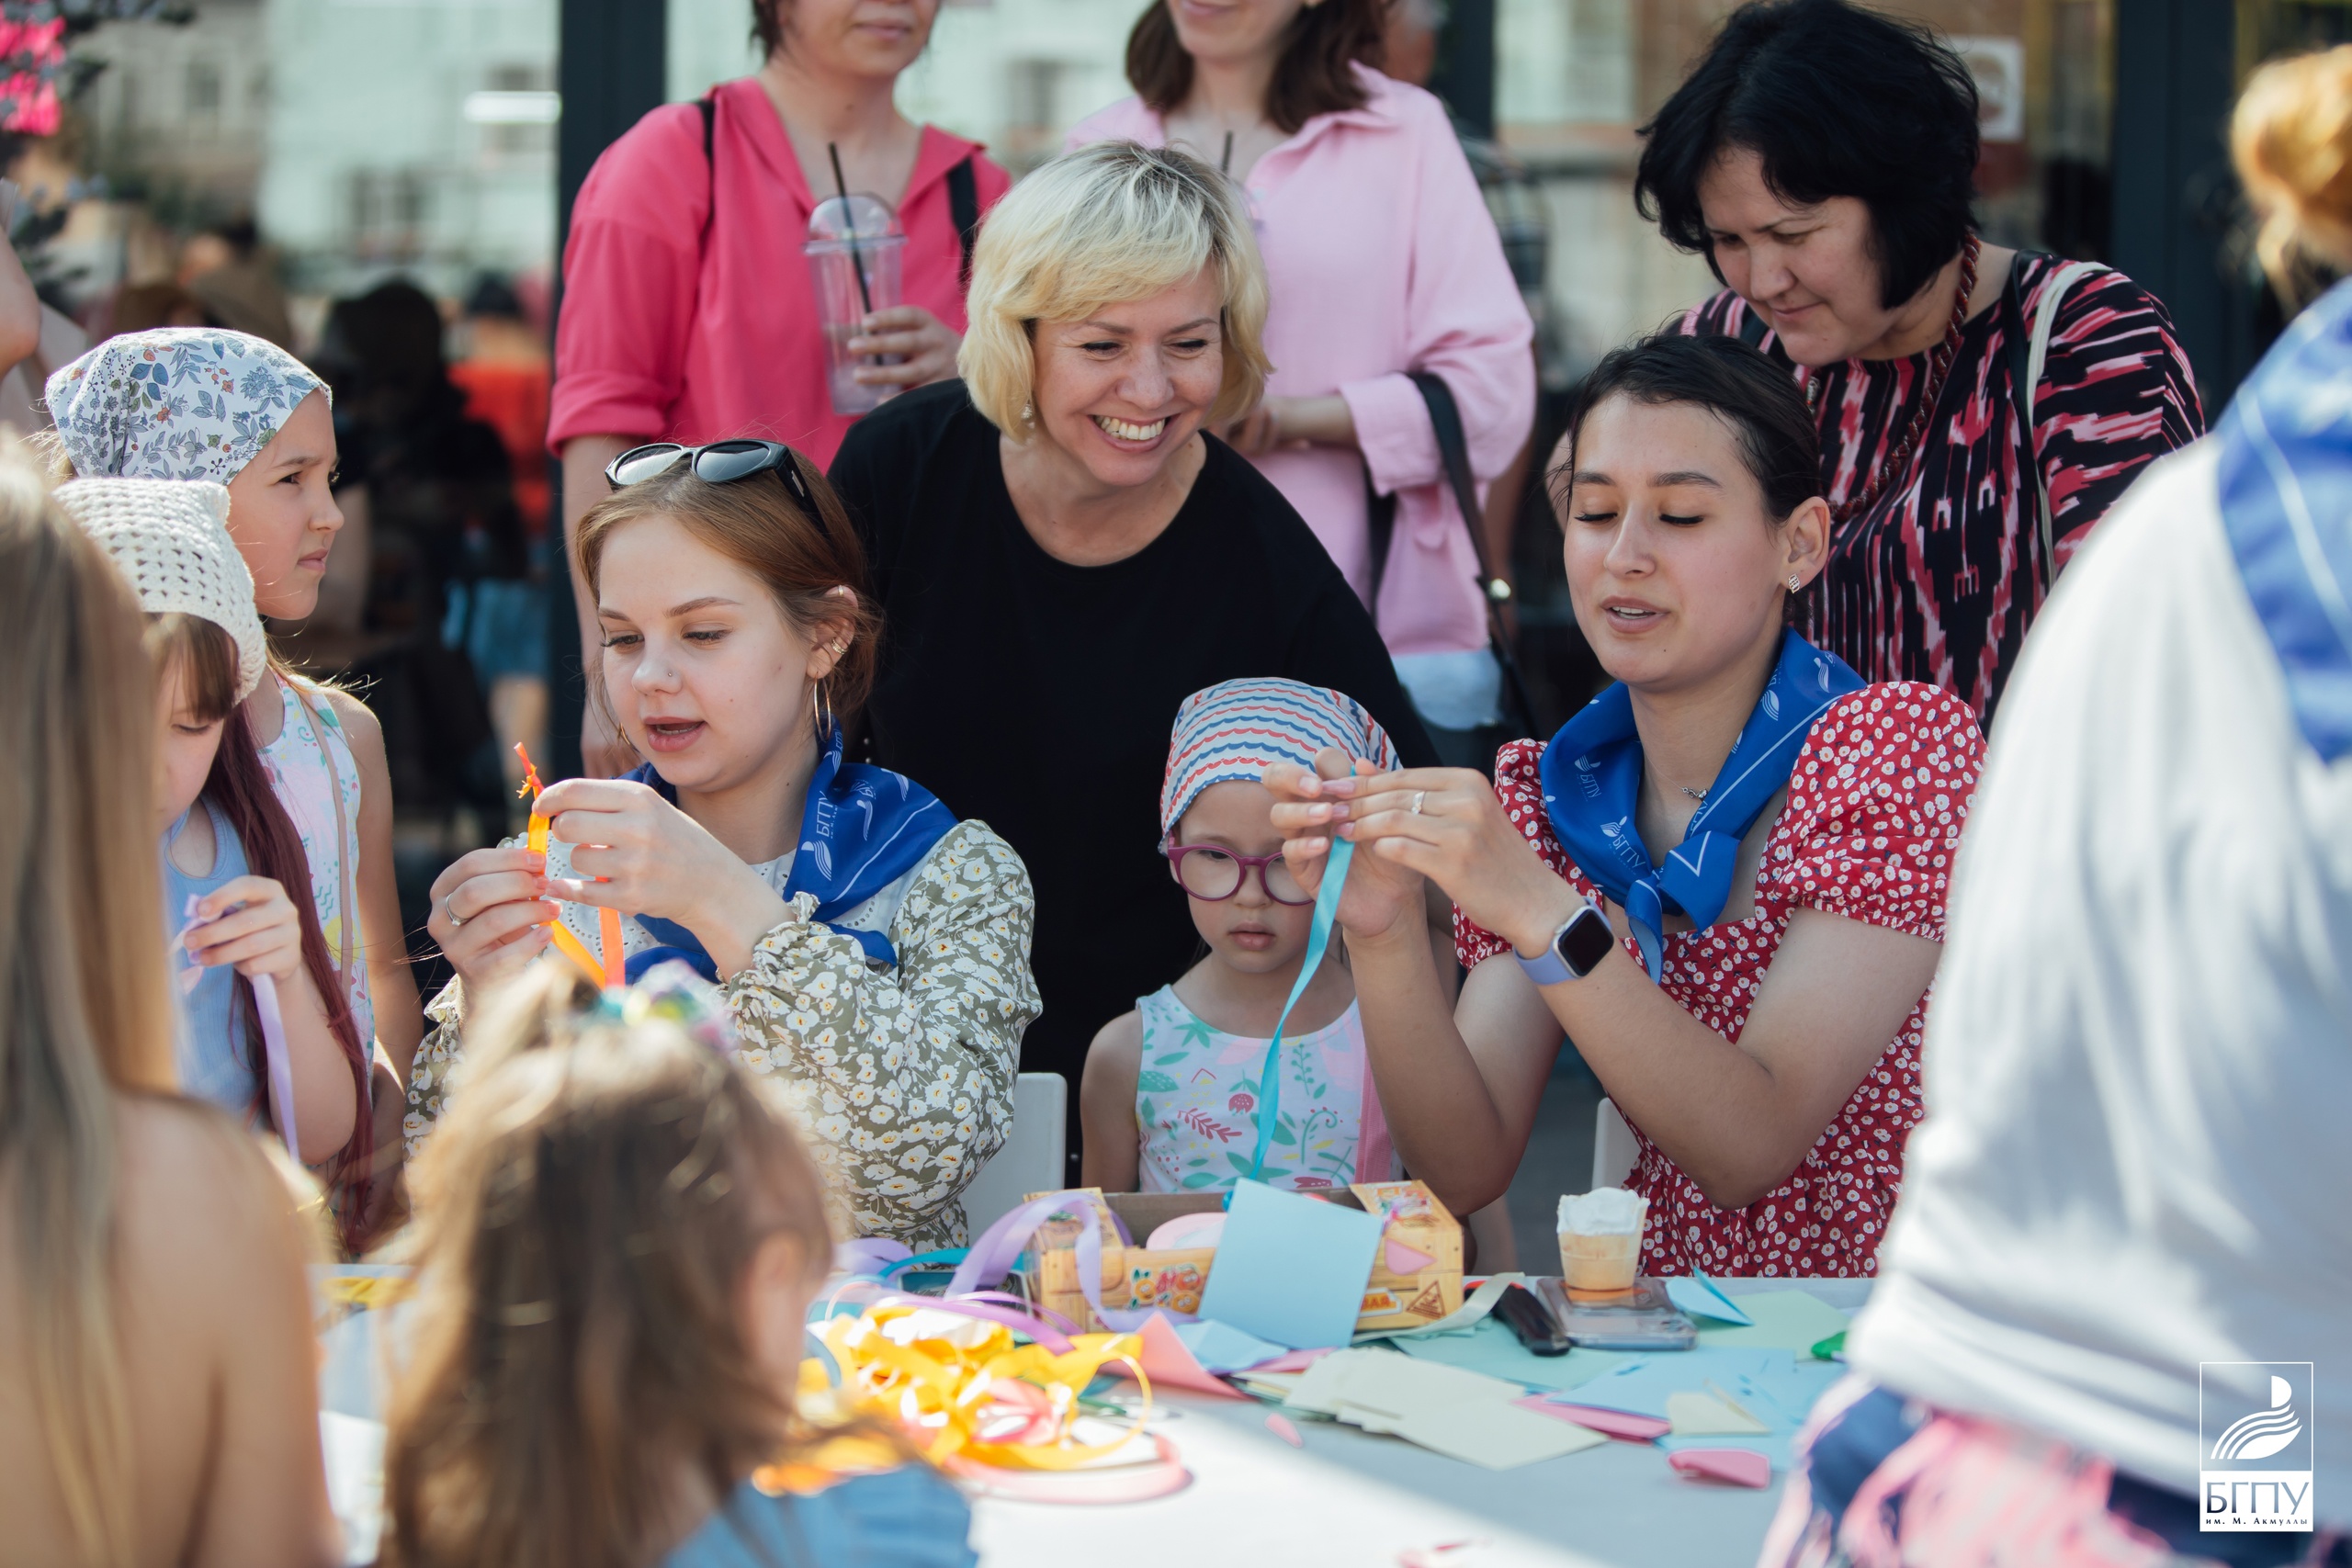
(1694, 880)
(1823, 157)
(1382, 262)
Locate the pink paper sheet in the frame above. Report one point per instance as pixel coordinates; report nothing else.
(1611, 1423)
(1168, 1365)
(1739, 1467)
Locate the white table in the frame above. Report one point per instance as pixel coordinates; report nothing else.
(1351, 1497)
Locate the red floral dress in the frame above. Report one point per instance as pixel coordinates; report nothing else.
(1876, 803)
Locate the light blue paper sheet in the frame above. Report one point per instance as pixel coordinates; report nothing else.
(1639, 1384)
(1790, 1320)
(1492, 1348)
(1697, 1296)
(1290, 1268)
(1221, 1348)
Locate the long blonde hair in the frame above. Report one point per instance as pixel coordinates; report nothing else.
(587, 1212)
(84, 1009)
(2291, 139)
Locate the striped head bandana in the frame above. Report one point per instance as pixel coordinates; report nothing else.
(1237, 729)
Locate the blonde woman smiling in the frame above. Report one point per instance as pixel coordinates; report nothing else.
(1063, 555)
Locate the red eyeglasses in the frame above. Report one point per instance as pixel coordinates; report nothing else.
(1213, 873)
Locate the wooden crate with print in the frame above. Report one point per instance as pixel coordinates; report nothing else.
(1417, 1271)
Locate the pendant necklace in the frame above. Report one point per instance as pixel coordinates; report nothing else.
(1939, 367)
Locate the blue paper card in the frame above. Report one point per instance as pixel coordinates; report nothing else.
(1221, 1348)
(1290, 1268)
(1639, 1385)
(1699, 1296)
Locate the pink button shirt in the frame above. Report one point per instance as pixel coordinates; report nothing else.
(1382, 259)
(666, 335)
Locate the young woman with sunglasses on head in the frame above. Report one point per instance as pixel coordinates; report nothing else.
(873, 950)
(1170, 1096)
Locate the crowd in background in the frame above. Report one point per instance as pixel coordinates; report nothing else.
(1014, 722)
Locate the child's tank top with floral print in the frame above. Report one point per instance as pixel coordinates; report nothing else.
(299, 762)
(1196, 1100)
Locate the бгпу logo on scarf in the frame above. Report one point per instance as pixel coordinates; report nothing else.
(2254, 1425)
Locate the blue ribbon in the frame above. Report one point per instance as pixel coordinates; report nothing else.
(1318, 937)
(861, 829)
(1592, 782)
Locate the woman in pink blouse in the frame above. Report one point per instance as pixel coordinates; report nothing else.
(1381, 260)
(688, 313)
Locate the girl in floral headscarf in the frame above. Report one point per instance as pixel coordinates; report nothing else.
(204, 403)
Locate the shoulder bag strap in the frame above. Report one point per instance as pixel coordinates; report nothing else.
(708, 107)
(341, 837)
(1453, 449)
(2029, 350)
(964, 208)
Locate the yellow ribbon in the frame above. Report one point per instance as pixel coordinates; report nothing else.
(993, 1402)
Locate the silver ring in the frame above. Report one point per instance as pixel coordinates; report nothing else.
(1418, 795)
(449, 907)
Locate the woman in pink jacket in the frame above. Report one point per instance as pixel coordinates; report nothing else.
(688, 313)
(1382, 261)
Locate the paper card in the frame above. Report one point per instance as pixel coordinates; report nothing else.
(1494, 1349)
(1497, 1435)
(1403, 1260)
(1698, 1297)
(1293, 1360)
(1788, 1320)
(1169, 1364)
(1641, 1384)
(1322, 1385)
(1611, 1423)
(1776, 1451)
(1221, 1348)
(1705, 1416)
(1398, 1386)
(1739, 1467)
(1290, 1268)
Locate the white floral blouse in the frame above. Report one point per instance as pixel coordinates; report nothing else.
(902, 1079)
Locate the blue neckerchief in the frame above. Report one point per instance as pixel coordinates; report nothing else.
(1592, 782)
(2286, 491)
(863, 829)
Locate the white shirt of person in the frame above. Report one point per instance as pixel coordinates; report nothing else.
(2137, 1154)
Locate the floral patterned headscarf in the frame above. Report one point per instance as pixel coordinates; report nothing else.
(176, 403)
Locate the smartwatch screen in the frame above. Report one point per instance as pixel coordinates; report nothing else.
(1586, 941)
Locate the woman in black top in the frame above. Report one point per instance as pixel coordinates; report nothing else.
(1062, 556)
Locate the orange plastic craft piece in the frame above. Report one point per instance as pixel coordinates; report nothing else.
(538, 842)
(608, 936)
(572, 947)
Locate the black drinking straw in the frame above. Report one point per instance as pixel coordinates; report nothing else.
(1225, 165)
(849, 222)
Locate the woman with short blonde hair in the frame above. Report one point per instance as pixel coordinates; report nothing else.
(1062, 553)
(1112, 222)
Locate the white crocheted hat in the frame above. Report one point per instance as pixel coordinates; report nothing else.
(170, 538)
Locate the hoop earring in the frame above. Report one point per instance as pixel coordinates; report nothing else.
(822, 704)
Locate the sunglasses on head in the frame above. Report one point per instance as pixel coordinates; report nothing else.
(721, 462)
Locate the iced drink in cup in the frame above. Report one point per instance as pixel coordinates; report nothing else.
(853, 250)
(1601, 1239)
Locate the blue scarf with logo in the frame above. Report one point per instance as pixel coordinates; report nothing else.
(863, 829)
(2285, 476)
(1592, 785)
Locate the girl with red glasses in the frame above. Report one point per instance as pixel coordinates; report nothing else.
(1174, 1090)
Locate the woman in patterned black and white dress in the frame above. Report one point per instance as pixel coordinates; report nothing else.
(1822, 157)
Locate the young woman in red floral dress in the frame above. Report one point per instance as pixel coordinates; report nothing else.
(1724, 879)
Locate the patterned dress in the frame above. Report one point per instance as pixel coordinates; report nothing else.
(1196, 1105)
(1938, 581)
(1877, 799)
(899, 1078)
(299, 762)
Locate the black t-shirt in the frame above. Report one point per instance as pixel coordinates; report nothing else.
(1037, 696)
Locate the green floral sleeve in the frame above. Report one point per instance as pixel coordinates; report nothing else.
(901, 1080)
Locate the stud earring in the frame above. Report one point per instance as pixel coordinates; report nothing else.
(1028, 413)
(1796, 583)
